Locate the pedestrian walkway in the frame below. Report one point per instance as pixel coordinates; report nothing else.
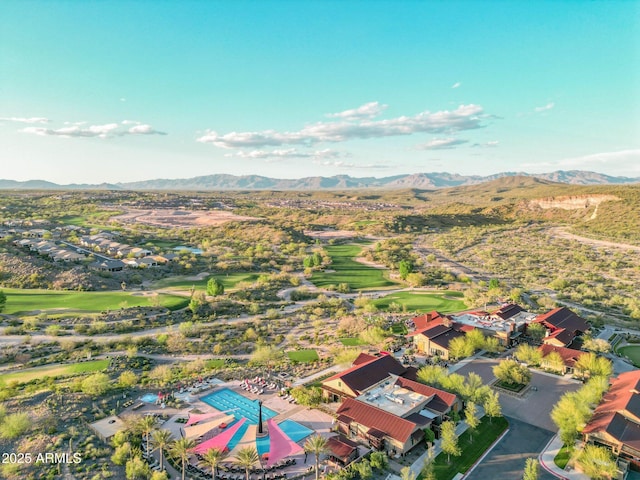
(546, 461)
(319, 374)
(457, 366)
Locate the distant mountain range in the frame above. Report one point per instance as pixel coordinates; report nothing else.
(338, 182)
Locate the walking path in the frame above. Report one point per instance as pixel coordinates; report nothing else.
(546, 461)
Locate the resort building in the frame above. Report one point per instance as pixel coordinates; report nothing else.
(562, 326)
(569, 357)
(616, 420)
(383, 406)
(367, 371)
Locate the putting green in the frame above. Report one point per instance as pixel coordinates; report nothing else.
(442, 301)
(23, 301)
(29, 374)
(344, 269)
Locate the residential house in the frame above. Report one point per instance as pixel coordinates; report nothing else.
(615, 423)
(108, 265)
(562, 325)
(435, 335)
(569, 357)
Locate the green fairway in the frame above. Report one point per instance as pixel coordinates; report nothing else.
(344, 269)
(442, 301)
(21, 301)
(632, 352)
(483, 437)
(303, 356)
(351, 342)
(229, 281)
(29, 374)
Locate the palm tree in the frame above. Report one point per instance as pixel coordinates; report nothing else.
(247, 457)
(180, 450)
(146, 425)
(212, 458)
(316, 445)
(160, 440)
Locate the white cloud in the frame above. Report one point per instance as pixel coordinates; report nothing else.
(287, 153)
(25, 119)
(456, 85)
(368, 110)
(465, 117)
(490, 144)
(343, 164)
(144, 130)
(130, 122)
(108, 130)
(442, 143)
(548, 106)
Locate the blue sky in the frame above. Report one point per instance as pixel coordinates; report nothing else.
(115, 91)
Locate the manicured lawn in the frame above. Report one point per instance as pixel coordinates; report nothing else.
(442, 301)
(512, 387)
(303, 356)
(563, 457)
(54, 371)
(228, 280)
(631, 351)
(483, 437)
(21, 301)
(351, 341)
(346, 270)
(214, 363)
(399, 329)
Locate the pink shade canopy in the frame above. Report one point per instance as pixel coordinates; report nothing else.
(221, 440)
(280, 445)
(197, 418)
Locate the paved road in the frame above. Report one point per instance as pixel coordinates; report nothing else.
(506, 460)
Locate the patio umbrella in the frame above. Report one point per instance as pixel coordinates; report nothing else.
(280, 445)
(220, 441)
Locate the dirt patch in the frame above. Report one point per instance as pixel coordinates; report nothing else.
(560, 232)
(329, 234)
(181, 218)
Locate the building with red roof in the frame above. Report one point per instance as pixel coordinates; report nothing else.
(562, 326)
(569, 356)
(616, 420)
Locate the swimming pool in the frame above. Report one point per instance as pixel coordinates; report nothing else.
(237, 405)
(240, 406)
(149, 398)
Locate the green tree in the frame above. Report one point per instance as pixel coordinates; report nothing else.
(449, 440)
(512, 373)
(404, 268)
(146, 425)
(428, 468)
(266, 355)
(492, 406)
(475, 339)
(554, 361)
(363, 469)
(121, 454)
(127, 379)
(379, 460)
(137, 469)
(247, 457)
(161, 439)
(407, 474)
(471, 417)
(96, 384)
(536, 331)
(212, 459)
(530, 469)
(432, 375)
(317, 445)
(180, 449)
(214, 287)
(597, 462)
(460, 348)
(590, 364)
(528, 354)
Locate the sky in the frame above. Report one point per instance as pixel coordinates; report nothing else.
(118, 91)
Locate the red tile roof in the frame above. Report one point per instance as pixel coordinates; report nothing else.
(618, 414)
(427, 320)
(375, 418)
(569, 355)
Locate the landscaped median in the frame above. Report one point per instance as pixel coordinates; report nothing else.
(487, 432)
